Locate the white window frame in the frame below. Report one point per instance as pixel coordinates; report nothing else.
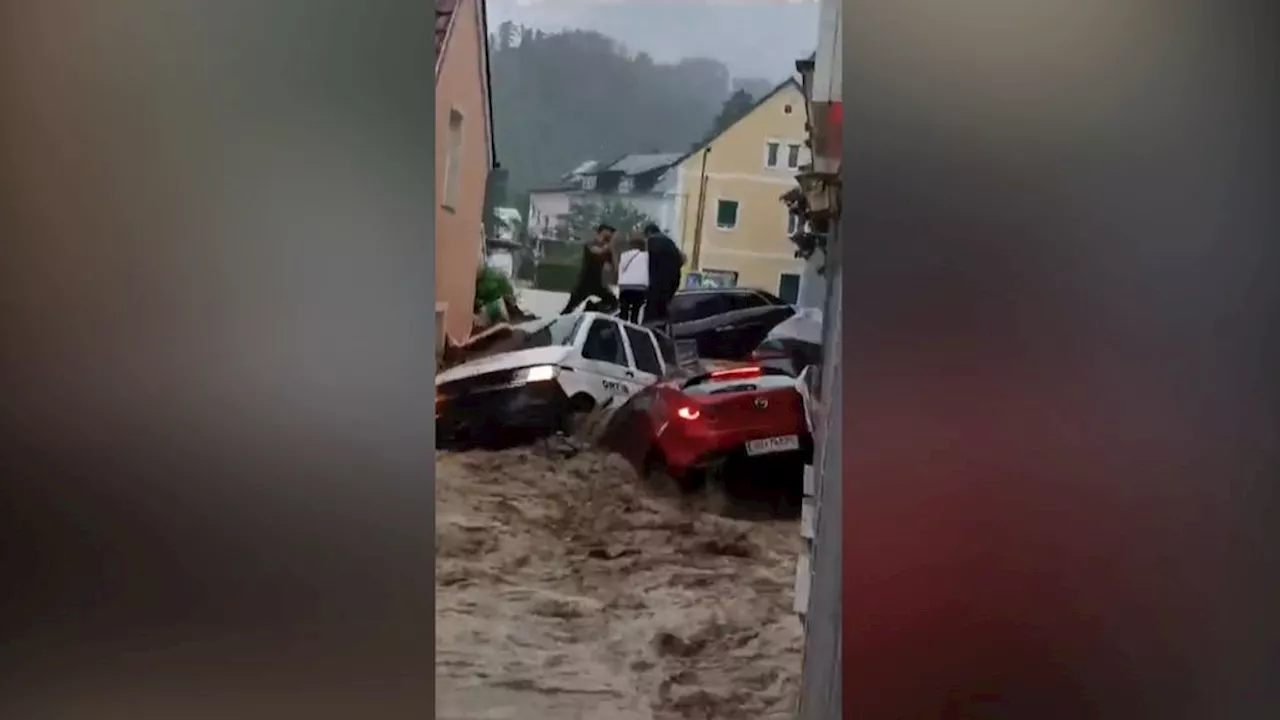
(454, 145)
(799, 146)
(781, 146)
(795, 223)
(737, 215)
(626, 185)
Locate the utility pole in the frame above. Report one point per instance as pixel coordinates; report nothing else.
(696, 255)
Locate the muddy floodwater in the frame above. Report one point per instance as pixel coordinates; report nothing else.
(566, 589)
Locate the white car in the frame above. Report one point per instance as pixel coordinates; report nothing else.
(560, 369)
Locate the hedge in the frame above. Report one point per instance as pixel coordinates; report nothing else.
(557, 277)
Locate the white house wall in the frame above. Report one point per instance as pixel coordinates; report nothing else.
(546, 209)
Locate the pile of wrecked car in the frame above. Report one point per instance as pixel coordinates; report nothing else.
(721, 400)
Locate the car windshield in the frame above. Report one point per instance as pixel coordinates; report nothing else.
(545, 333)
(525, 336)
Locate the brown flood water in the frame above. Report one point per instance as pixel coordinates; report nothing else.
(566, 589)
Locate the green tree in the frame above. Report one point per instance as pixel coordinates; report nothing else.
(564, 97)
(733, 110)
(583, 217)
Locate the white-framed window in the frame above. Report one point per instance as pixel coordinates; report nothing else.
(793, 155)
(795, 223)
(626, 185)
(726, 214)
(772, 153)
(589, 182)
(453, 160)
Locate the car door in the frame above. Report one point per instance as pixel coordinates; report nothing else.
(633, 434)
(605, 364)
(646, 359)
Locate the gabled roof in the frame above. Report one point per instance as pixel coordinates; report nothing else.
(789, 82)
(640, 164)
(586, 167)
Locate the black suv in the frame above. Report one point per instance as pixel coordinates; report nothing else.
(726, 323)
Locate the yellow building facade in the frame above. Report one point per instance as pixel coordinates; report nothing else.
(731, 225)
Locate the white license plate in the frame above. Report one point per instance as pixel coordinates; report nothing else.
(773, 445)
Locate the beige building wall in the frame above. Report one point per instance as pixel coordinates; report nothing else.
(460, 95)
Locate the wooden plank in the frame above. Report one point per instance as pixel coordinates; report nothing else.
(808, 519)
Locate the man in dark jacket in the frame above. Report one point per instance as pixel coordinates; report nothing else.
(596, 257)
(665, 260)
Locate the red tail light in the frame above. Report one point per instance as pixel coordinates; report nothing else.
(688, 412)
(736, 372)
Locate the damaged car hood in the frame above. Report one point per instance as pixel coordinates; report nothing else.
(504, 361)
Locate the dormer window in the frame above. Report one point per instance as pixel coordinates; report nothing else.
(589, 182)
(626, 185)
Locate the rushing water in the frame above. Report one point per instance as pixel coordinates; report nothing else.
(567, 589)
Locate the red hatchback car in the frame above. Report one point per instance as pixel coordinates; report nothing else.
(745, 422)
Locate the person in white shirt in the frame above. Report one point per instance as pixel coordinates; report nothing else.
(633, 280)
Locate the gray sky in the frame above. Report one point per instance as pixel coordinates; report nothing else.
(754, 38)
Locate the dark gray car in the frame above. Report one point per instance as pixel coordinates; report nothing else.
(726, 323)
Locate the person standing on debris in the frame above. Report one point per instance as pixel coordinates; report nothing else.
(633, 279)
(596, 257)
(665, 261)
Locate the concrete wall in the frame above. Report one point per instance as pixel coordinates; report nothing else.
(813, 286)
(546, 208)
(820, 683)
(820, 692)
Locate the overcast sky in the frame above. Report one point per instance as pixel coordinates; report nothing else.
(754, 38)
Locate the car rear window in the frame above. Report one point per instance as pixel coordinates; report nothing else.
(642, 349)
(747, 301)
(666, 347)
(698, 306)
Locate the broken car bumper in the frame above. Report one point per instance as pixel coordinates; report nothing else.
(497, 414)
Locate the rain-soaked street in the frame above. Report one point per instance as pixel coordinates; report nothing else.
(566, 589)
